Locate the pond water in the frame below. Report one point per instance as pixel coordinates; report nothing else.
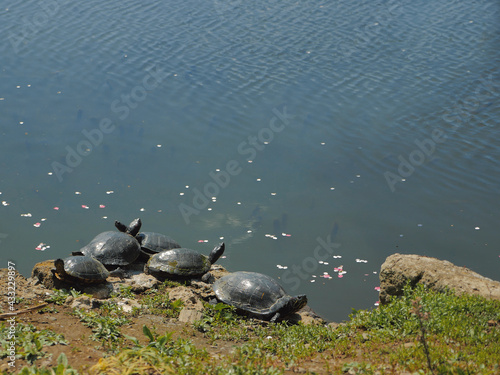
(314, 138)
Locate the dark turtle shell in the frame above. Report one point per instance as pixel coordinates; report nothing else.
(81, 269)
(113, 249)
(182, 262)
(257, 295)
(152, 243)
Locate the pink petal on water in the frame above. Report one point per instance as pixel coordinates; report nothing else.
(56, 208)
(102, 206)
(340, 275)
(37, 225)
(85, 206)
(377, 288)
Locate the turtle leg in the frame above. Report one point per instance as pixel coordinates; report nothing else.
(208, 278)
(275, 317)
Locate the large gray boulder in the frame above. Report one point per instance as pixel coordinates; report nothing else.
(436, 274)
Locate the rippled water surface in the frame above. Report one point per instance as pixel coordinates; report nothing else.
(315, 138)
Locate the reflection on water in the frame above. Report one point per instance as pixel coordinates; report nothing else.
(367, 86)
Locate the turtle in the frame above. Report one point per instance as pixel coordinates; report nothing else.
(182, 263)
(115, 249)
(80, 269)
(152, 243)
(257, 295)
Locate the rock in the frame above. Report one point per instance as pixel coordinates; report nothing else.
(306, 316)
(190, 315)
(189, 298)
(128, 305)
(82, 302)
(42, 274)
(436, 274)
(137, 281)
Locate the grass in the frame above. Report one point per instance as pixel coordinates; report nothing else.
(59, 296)
(105, 323)
(421, 332)
(157, 301)
(29, 341)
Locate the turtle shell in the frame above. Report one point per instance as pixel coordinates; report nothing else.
(256, 294)
(113, 249)
(81, 269)
(179, 262)
(152, 243)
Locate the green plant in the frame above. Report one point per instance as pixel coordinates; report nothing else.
(159, 303)
(105, 323)
(29, 341)
(161, 355)
(421, 317)
(216, 315)
(124, 291)
(59, 296)
(62, 368)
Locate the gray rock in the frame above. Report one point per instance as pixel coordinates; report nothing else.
(137, 281)
(83, 302)
(190, 315)
(127, 304)
(436, 274)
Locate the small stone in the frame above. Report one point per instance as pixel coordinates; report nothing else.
(190, 315)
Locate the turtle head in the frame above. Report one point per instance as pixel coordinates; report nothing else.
(133, 228)
(216, 253)
(292, 305)
(59, 264)
(297, 302)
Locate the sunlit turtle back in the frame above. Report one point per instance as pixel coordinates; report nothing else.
(257, 295)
